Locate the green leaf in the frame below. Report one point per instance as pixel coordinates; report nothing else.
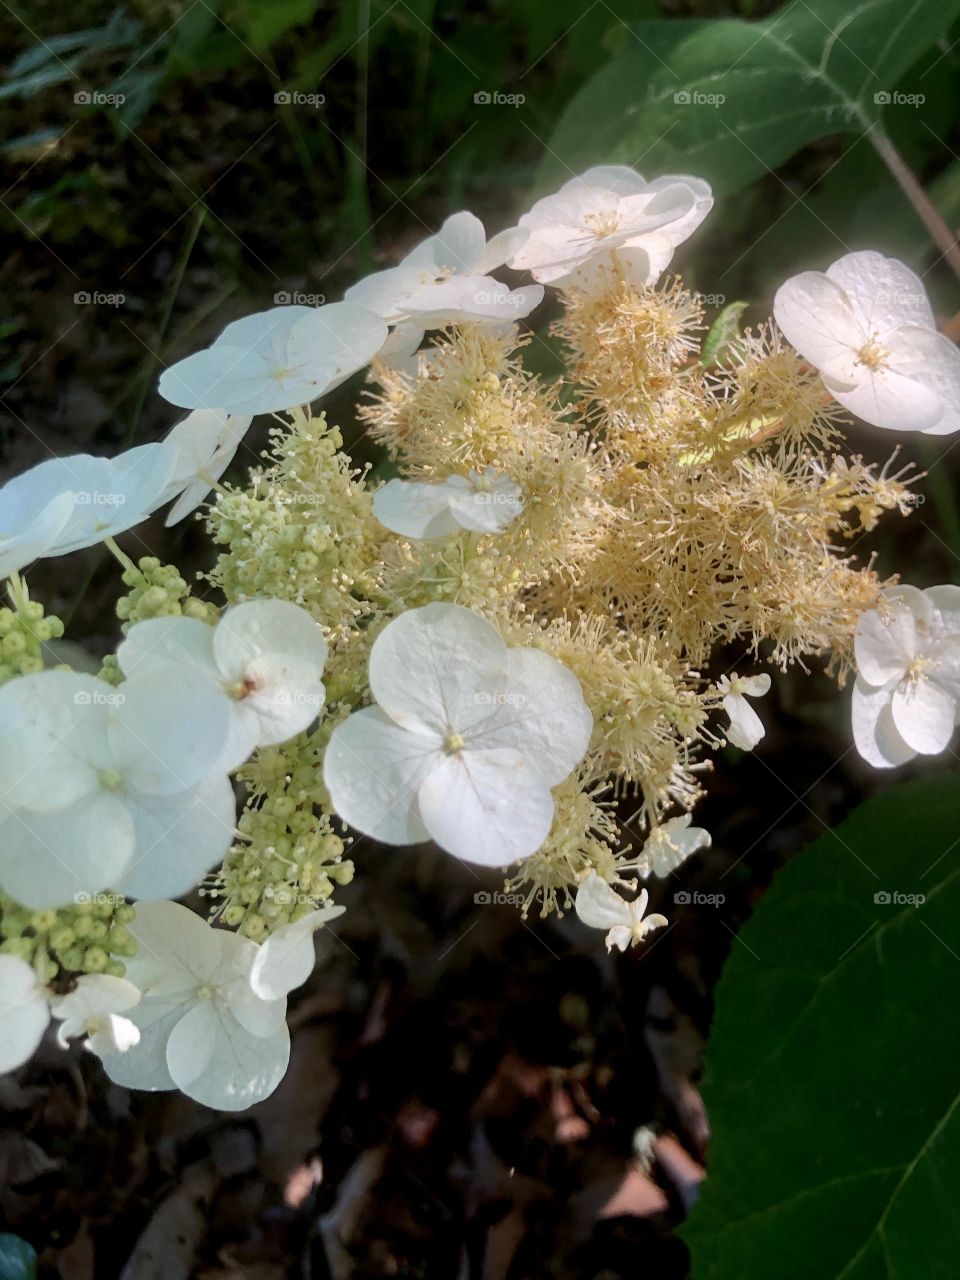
(18, 1260)
(729, 100)
(722, 333)
(831, 1077)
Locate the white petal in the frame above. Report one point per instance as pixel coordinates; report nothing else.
(385, 293)
(946, 603)
(438, 669)
(28, 529)
(488, 807)
(464, 298)
(924, 714)
(215, 1061)
(373, 770)
(117, 1035)
(285, 961)
(932, 360)
(457, 246)
(885, 644)
(746, 727)
(179, 838)
(176, 950)
(874, 733)
(486, 503)
(50, 725)
(24, 1012)
(415, 510)
(499, 249)
(143, 1064)
(232, 979)
(818, 319)
(206, 441)
(267, 628)
(884, 292)
(756, 686)
(48, 859)
(111, 495)
(155, 641)
(541, 713)
(599, 905)
(885, 398)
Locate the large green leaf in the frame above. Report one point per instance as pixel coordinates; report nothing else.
(833, 1079)
(730, 99)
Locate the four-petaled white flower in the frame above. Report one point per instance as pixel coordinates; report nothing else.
(866, 325)
(276, 359)
(611, 209)
(64, 504)
(111, 787)
(481, 502)
(264, 659)
(906, 700)
(95, 1009)
(203, 1029)
(206, 442)
(444, 281)
(746, 727)
(670, 844)
(600, 906)
(465, 742)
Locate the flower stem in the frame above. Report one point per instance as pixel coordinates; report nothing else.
(926, 210)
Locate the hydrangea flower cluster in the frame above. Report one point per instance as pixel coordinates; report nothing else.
(502, 649)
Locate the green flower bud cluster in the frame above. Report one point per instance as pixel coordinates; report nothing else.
(88, 936)
(303, 531)
(24, 630)
(158, 591)
(290, 858)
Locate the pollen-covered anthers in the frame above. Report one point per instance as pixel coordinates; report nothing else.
(288, 858)
(764, 395)
(817, 613)
(649, 711)
(471, 405)
(858, 486)
(627, 344)
(583, 838)
(303, 530)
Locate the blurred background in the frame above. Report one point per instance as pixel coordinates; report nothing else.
(459, 1105)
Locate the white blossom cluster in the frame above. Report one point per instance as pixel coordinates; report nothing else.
(463, 738)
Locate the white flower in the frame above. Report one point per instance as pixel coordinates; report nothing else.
(103, 787)
(866, 325)
(611, 209)
(203, 1030)
(446, 280)
(906, 700)
(286, 959)
(465, 742)
(24, 1012)
(670, 844)
(746, 727)
(481, 501)
(276, 359)
(64, 504)
(206, 442)
(264, 659)
(601, 907)
(94, 1009)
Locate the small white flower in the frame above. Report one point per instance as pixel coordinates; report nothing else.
(24, 1012)
(906, 700)
(746, 727)
(670, 844)
(68, 503)
(104, 787)
(206, 442)
(481, 501)
(601, 907)
(465, 742)
(264, 659)
(276, 359)
(286, 959)
(611, 209)
(444, 281)
(94, 1009)
(203, 1029)
(866, 325)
